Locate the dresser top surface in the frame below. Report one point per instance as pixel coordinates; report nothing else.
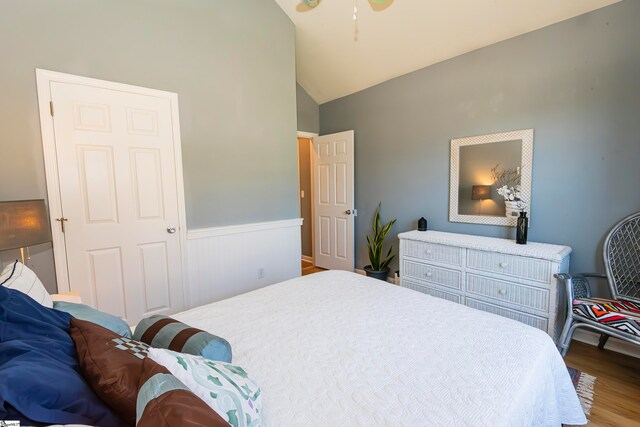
(546, 251)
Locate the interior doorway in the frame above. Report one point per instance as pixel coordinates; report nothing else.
(334, 201)
(326, 200)
(305, 197)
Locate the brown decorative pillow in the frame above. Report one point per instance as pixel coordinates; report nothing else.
(111, 364)
(119, 372)
(165, 401)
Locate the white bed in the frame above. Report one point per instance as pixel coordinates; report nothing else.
(336, 348)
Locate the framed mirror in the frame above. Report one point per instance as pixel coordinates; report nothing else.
(491, 178)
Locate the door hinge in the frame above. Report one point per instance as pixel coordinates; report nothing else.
(51, 107)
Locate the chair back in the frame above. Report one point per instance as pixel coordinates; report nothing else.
(621, 253)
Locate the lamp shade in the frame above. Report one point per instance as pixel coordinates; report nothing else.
(23, 223)
(480, 192)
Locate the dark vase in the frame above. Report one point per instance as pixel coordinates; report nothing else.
(522, 228)
(375, 274)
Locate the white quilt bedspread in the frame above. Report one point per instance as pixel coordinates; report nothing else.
(339, 349)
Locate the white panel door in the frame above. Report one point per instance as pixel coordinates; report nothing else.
(333, 201)
(118, 191)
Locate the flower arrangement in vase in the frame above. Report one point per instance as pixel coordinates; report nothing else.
(508, 183)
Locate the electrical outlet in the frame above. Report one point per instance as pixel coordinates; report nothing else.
(260, 272)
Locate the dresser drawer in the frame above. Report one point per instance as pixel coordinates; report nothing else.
(535, 321)
(510, 293)
(430, 273)
(526, 268)
(433, 252)
(432, 291)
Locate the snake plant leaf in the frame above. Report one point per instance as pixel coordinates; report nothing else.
(375, 243)
(376, 221)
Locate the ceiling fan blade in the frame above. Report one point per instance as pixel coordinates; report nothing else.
(378, 5)
(307, 5)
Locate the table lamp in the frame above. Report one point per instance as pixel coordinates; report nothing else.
(23, 223)
(480, 192)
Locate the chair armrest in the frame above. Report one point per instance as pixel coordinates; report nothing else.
(569, 276)
(580, 279)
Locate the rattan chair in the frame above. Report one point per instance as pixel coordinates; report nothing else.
(619, 316)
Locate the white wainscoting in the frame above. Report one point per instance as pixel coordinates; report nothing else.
(224, 261)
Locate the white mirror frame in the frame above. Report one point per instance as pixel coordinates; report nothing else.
(526, 136)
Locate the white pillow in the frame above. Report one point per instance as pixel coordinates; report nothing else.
(19, 277)
(226, 388)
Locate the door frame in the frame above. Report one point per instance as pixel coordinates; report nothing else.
(44, 78)
(312, 158)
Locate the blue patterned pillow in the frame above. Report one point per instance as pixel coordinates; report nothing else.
(84, 312)
(39, 378)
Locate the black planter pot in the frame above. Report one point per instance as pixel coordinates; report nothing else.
(374, 274)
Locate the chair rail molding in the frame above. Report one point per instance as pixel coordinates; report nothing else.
(202, 233)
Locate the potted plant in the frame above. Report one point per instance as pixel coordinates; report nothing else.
(379, 264)
(508, 183)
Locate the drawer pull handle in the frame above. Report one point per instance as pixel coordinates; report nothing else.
(503, 265)
(428, 252)
(502, 291)
(429, 274)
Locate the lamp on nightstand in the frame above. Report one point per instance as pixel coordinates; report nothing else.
(23, 223)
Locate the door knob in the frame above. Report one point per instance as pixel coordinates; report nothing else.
(348, 212)
(171, 229)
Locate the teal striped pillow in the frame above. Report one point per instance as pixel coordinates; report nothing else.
(164, 332)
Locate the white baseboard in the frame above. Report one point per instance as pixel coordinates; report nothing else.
(307, 259)
(613, 344)
(226, 261)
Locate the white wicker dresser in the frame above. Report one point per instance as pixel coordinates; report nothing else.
(489, 274)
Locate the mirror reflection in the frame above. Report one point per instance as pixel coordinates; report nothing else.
(490, 178)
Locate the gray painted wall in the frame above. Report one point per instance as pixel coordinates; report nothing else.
(308, 111)
(237, 94)
(575, 83)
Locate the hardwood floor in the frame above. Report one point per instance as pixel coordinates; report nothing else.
(617, 386)
(309, 268)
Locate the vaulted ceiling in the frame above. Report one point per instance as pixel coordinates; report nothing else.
(407, 36)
